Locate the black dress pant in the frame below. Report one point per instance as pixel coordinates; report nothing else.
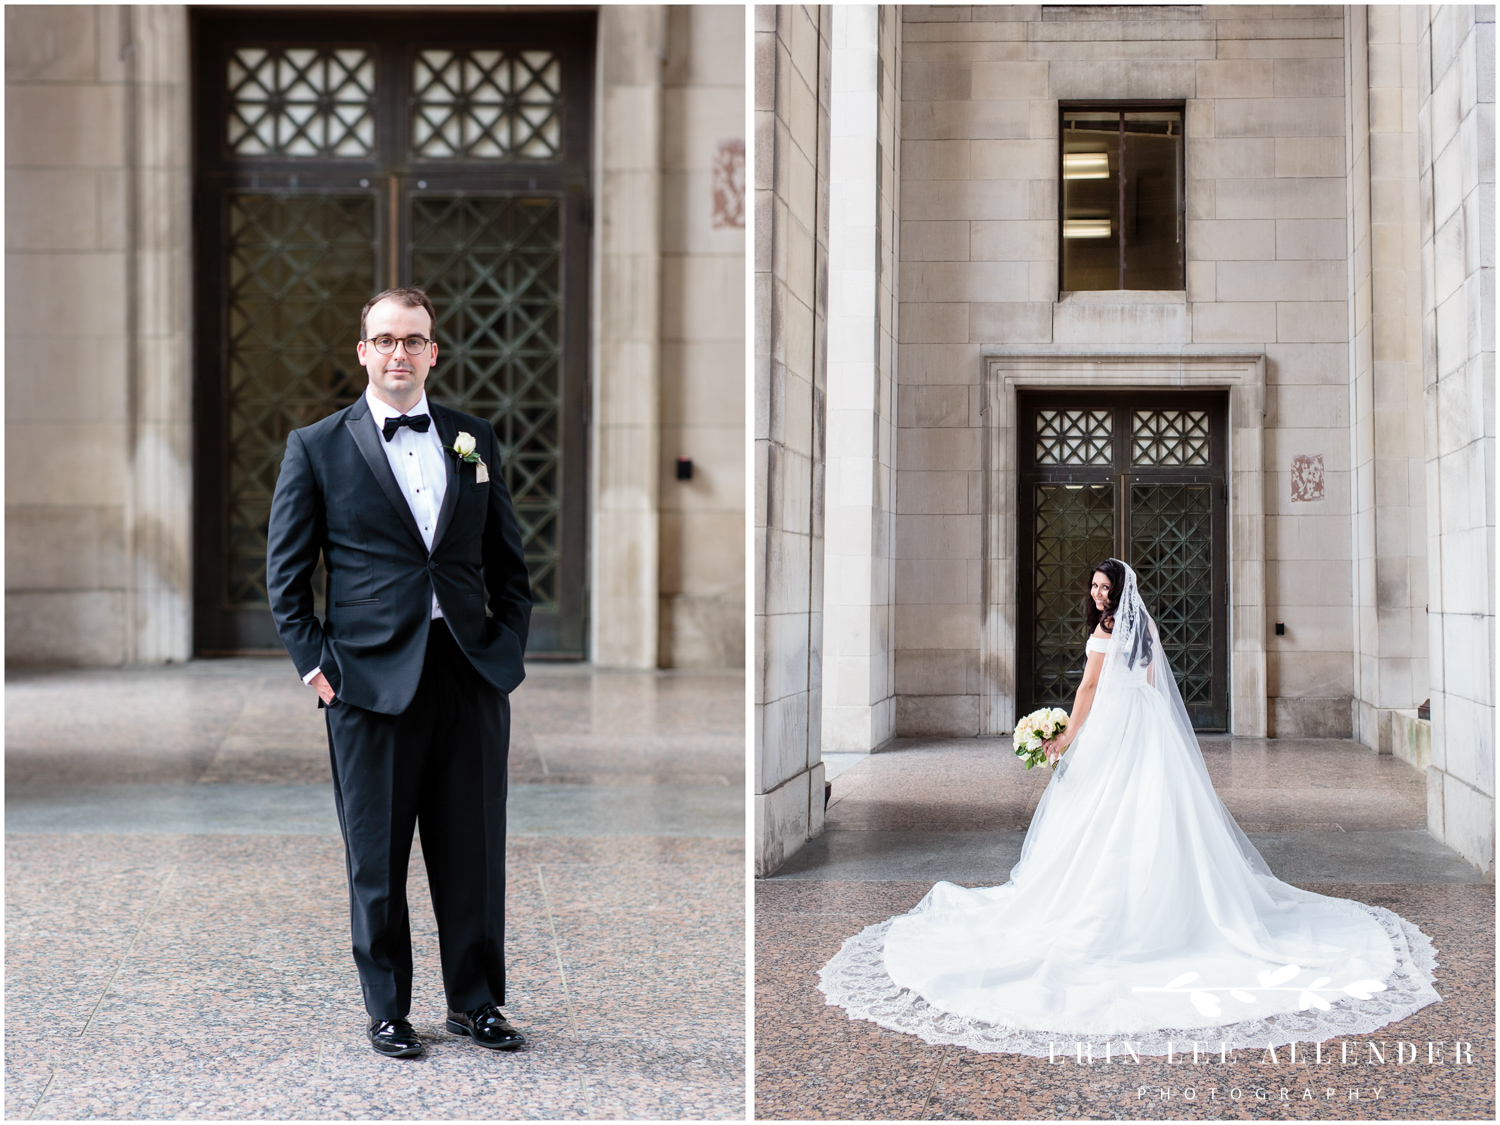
(440, 764)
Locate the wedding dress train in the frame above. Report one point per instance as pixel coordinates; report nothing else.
(1139, 912)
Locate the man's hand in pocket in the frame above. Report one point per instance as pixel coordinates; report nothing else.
(324, 689)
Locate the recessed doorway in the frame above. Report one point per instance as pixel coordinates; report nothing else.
(1141, 477)
(337, 155)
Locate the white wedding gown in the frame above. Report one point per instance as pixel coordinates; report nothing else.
(1139, 912)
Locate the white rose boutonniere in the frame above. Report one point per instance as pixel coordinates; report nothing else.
(463, 446)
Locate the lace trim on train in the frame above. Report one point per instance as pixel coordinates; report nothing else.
(856, 980)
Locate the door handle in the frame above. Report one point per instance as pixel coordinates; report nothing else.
(393, 232)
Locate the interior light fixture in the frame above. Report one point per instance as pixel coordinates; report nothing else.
(1086, 228)
(1085, 165)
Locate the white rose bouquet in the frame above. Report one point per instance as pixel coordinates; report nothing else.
(1035, 729)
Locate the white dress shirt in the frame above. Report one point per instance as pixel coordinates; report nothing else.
(417, 460)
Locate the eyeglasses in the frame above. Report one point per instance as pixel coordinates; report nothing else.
(385, 345)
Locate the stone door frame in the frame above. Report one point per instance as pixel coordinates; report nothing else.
(1006, 371)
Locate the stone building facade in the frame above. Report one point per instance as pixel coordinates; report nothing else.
(1299, 336)
(110, 489)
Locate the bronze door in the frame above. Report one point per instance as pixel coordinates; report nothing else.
(1140, 477)
(337, 155)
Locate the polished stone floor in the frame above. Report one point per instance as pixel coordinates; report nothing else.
(1327, 815)
(176, 912)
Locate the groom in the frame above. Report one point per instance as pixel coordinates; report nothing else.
(428, 605)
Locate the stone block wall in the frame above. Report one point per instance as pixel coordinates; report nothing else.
(702, 586)
(1456, 135)
(792, 94)
(97, 408)
(1267, 273)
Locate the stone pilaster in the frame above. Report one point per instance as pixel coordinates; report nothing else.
(624, 546)
(791, 303)
(859, 655)
(1456, 129)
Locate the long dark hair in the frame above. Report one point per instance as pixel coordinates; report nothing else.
(1114, 570)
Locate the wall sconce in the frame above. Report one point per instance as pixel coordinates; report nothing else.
(684, 468)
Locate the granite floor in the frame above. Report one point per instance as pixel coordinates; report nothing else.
(176, 914)
(1328, 815)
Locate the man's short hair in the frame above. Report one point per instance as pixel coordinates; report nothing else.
(407, 296)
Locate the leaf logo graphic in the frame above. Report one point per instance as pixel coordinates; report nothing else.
(1269, 979)
(1204, 999)
(1205, 1002)
(1361, 989)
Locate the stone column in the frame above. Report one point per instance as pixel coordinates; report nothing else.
(159, 269)
(859, 658)
(624, 547)
(791, 302)
(702, 601)
(1456, 131)
(1385, 362)
(98, 395)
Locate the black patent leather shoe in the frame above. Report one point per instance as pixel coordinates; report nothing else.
(394, 1039)
(488, 1027)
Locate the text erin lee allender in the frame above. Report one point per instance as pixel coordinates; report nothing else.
(1438, 1052)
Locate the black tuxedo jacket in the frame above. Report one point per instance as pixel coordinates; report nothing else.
(337, 495)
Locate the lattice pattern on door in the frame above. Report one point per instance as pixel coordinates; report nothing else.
(487, 105)
(300, 267)
(1171, 528)
(1169, 437)
(301, 101)
(1074, 437)
(491, 267)
(1075, 528)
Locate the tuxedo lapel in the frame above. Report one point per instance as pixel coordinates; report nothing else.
(367, 438)
(447, 429)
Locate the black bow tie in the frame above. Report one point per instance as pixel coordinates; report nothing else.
(418, 422)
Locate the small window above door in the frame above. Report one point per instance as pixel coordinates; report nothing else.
(1121, 197)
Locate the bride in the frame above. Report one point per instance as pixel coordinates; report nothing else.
(1139, 912)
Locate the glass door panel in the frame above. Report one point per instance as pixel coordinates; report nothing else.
(300, 267)
(1074, 529)
(1171, 548)
(493, 267)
